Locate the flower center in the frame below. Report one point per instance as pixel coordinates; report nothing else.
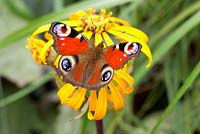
(97, 22)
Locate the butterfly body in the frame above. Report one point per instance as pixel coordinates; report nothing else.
(84, 65)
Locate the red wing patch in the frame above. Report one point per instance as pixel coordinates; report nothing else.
(68, 41)
(71, 46)
(116, 56)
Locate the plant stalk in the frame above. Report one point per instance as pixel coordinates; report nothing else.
(99, 126)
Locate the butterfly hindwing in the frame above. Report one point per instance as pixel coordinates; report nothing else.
(68, 41)
(117, 55)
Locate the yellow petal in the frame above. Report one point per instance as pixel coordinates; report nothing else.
(101, 106)
(145, 48)
(124, 80)
(117, 98)
(132, 31)
(77, 15)
(123, 86)
(45, 49)
(87, 34)
(125, 68)
(93, 100)
(48, 36)
(77, 99)
(73, 23)
(78, 28)
(65, 91)
(91, 11)
(125, 76)
(35, 46)
(98, 39)
(107, 39)
(110, 98)
(123, 22)
(103, 11)
(56, 62)
(42, 29)
(90, 115)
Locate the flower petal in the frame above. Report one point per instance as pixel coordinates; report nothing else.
(107, 39)
(123, 85)
(48, 36)
(117, 97)
(78, 28)
(124, 69)
(56, 62)
(90, 115)
(132, 31)
(73, 23)
(77, 15)
(87, 34)
(93, 100)
(42, 29)
(125, 76)
(98, 39)
(64, 92)
(45, 50)
(101, 106)
(123, 22)
(145, 48)
(110, 98)
(77, 99)
(35, 46)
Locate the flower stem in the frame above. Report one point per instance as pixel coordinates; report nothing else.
(99, 126)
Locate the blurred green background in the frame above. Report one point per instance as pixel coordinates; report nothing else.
(166, 99)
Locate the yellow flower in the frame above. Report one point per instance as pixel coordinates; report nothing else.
(97, 27)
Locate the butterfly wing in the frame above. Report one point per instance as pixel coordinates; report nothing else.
(117, 55)
(68, 41)
(72, 48)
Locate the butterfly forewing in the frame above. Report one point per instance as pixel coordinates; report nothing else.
(117, 55)
(67, 40)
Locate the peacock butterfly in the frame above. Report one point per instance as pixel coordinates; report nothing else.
(84, 65)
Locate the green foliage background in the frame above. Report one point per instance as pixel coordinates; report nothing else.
(166, 98)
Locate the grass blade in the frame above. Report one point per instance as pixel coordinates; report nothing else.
(178, 19)
(23, 92)
(193, 75)
(167, 44)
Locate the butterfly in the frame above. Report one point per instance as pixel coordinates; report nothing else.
(82, 63)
